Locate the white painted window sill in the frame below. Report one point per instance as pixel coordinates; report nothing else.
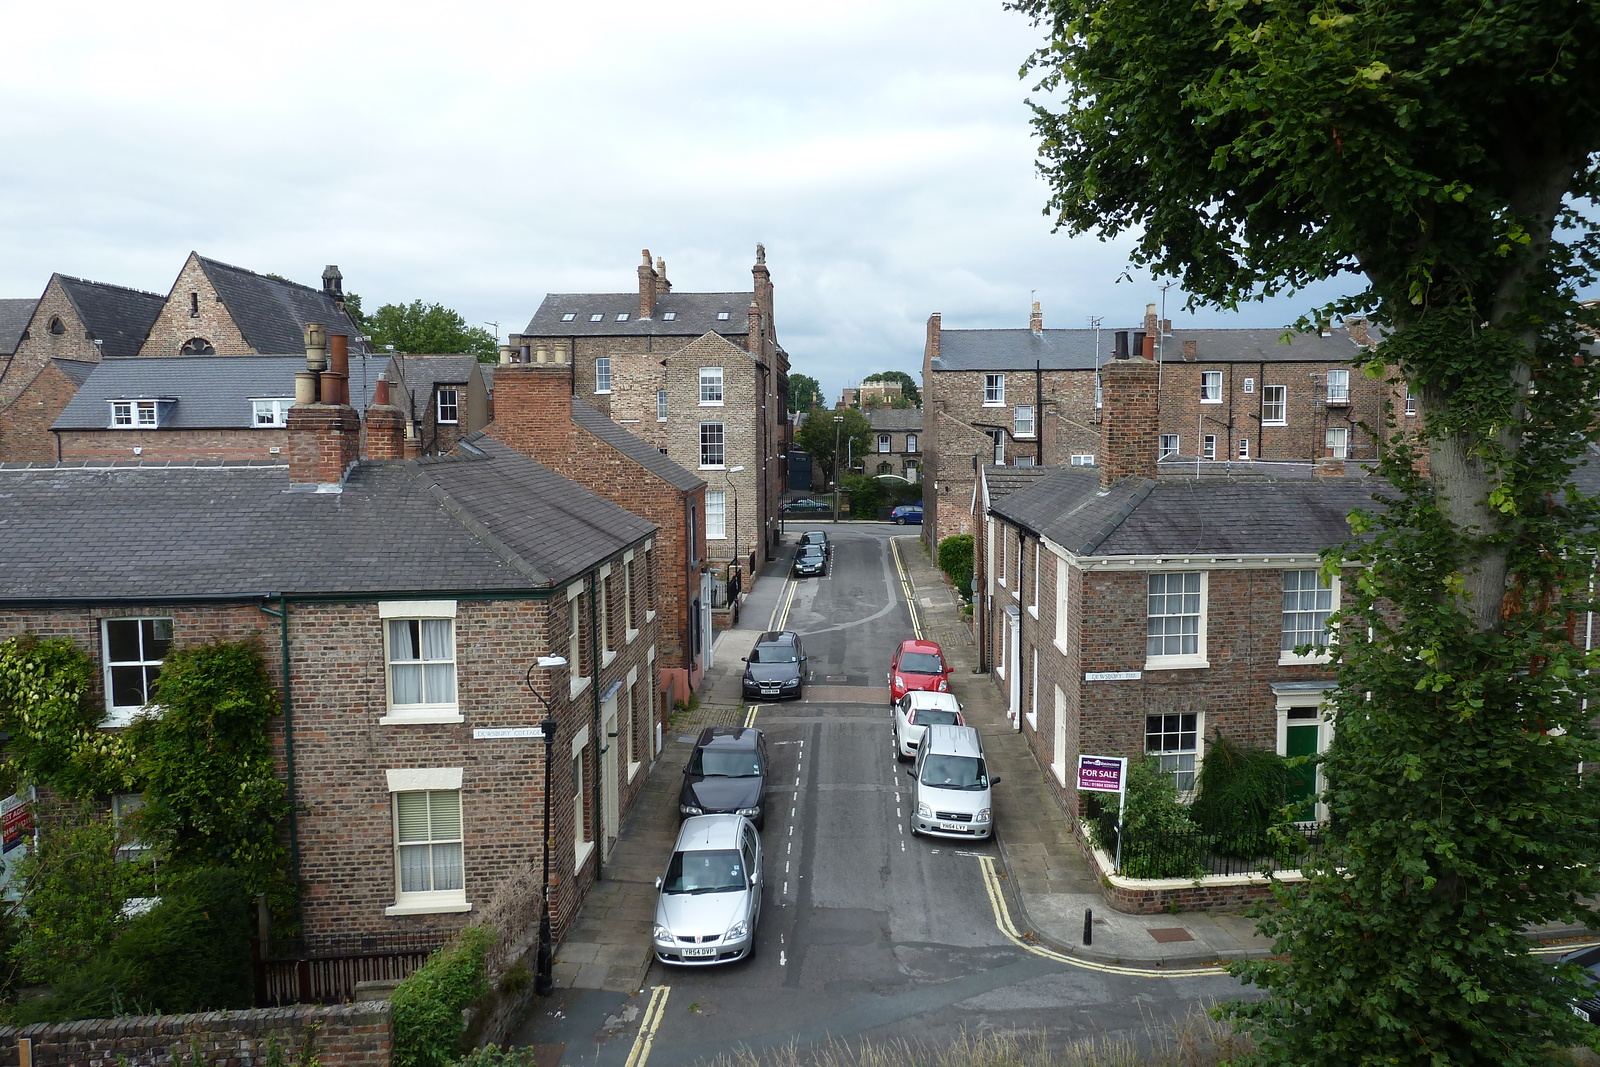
(1289, 659)
(1060, 771)
(1175, 663)
(1033, 721)
(1216, 401)
(1269, 422)
(631, 634)
(1033, 609)
(445, 903)
(578, 685)
(421, 716)
(633, 770)
(581, 856)
(650, 616)
(713, 403)
(1060, 646)
(608, 657)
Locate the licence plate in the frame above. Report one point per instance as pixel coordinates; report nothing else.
(698, 953)
(957, 827)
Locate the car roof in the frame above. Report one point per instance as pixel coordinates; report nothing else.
(700, 832)
(729, 737)
(952, 741)
(914, 644)
(779, 637)
(813, 546)
(815, 533)
(925, 698)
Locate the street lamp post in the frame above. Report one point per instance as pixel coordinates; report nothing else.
(544, 980)
(728, 477)
(838, 423)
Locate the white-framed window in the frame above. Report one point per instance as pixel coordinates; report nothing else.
(994, 390)
(911, 470)
(135, 414)
(622, 316)
(988, 550)
(449, 404)
(1307, 603)
(1411, 403)
(724, 316)
(270, 412)
(602, 603)
(669, 316)
(420, 647)
(1000, 546)
(1169, 446)
(429, 839)
(1024, 420)
(661, 405)
(1062, 588)
(716, 515)
(582, 829)
(1336, 439)
(1208, 446)
(999, 438)
(576, 678)
(602, 374)
(1083, 459)
(1244, 448)
(1175, 623)
(1249, 385)
(1099, 390)
(1174, 740)
(911, 442)
(132, 651)
(1210, 387)
(1033, 694)
(1033, 606)
(569, 316)
(130, 847)
(710, 385)
(885, 442)
(1338, 387)
(1024, 461)
(1274, 405)
(597, 316)
(711, 442)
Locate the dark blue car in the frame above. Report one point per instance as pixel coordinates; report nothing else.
(907, 513)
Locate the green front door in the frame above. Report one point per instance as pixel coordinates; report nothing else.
(1301, 785)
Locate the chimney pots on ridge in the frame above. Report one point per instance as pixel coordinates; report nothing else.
(1036, 319)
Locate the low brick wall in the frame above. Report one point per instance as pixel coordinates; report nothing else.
(349, 1035)
(1154, 896)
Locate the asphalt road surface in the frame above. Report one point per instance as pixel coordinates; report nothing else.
(867, 933)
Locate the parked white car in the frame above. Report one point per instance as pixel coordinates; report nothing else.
(915, 712)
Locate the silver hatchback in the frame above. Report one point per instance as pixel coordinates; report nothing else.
(710, 897)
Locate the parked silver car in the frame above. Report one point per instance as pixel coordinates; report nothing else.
(710, 897)
(952, 791)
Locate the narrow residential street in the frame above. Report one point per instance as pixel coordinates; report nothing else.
(867, 933)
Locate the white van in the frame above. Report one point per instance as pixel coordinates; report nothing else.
(951, 795)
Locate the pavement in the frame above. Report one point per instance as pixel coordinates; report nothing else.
(1048, 883)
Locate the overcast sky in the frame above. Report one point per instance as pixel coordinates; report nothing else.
(482, 154)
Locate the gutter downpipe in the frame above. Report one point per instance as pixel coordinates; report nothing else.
(979, 595)
(599, 748)
(1038, 413)
(282, 615)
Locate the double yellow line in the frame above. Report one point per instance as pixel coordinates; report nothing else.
(905, 589)
(648, 1026)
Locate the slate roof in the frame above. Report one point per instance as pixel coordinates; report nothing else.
(887, 419)
(1002, 350)
(76, 370)
(419, 374)
(696, 314)
(635, 448)
(14, 316)
(118, 317)
(211, 391)
(487, 520)
(1141, 516)
(273, 313)
(1003, 481)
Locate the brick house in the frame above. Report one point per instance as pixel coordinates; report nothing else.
(537, 415)
(1032, 397)
(400, 604)
(73, 325)
(14, 316)
(896, 442)
(701, 375)
(1128, 611)
(446, 397)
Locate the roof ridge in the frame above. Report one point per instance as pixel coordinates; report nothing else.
(207, 260)
(1141, 492)
(106, 285)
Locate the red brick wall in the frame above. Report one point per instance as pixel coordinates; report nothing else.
(40, 346)
(25, 435)
(1238, 414)
(267, 444)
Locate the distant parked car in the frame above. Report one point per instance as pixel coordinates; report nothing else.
(907, 513)
(811, 562)
(917, 665)
(710, 895)
(1589, 960)
(776, 666)
(805, 506)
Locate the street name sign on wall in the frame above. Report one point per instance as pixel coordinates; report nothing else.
(1112, 676)
(496, 732)
(1102, 774)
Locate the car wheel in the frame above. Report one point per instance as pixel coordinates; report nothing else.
(899, 522)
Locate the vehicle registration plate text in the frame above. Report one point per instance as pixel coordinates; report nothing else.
(698, 953)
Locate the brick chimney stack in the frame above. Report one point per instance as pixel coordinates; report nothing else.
(763, 298)
(1128, 419)
(647, 287)
(386, 425)
(663, 286)
(1036, 319)
(533, 408)
(324, 430)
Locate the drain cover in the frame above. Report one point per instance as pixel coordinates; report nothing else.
(1171, 934)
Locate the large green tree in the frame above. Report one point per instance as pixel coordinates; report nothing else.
(804, 393)
(1445, 153)
(908, 384)
(420, 328)
(816, 438)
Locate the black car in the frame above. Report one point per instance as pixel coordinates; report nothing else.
(1589, 960)
(811, 561)
(776, 666)
(805, 506)
(726, 775)
(814, 537)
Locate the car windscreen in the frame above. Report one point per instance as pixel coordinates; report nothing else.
(921, 663)
(954, 772)
(773, 654)
(812, 552)
(935, 717)
(710, 871)
(735, 763)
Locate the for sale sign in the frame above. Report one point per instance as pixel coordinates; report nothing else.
(1102, 774)
(16, 820)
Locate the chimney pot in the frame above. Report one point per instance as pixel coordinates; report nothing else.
(1119, 346)
(525, 357)
(316, 340)
(1190, 350)
(507, 354)
(542, 355)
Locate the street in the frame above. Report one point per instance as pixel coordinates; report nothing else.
(867, 933)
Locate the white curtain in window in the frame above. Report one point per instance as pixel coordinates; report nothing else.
(438, 644)
(405, 678)
(429, 832)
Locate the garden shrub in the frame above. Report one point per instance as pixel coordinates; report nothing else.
(47, 707)
(427, 1006)
(1239, 793)
(866, 495)
(955, 559)
(1159, 839)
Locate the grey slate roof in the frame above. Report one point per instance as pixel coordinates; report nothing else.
(14, 316)
(211, 391)
(118, 317)
(273, 313)
(419, 374)
(1139, 516)
(696, 314)
(1003, 481)
(637, 449)
(1003, 350)
(76, 370)
(487, 520)
(886, 419)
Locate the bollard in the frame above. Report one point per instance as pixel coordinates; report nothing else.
(1088, 926)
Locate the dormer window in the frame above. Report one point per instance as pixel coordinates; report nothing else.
(596, 317)
(57, 327)
(271, 412)
(723, 316)
(668, 316)
(197, 346)
(569, 316)
(136, 414)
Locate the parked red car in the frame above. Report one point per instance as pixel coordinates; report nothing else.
(918, 665)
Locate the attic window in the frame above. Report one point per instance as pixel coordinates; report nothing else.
(271, 412)
(622, 317)
(569, 316)
(668, 316)
(134, 415)
(194, 305)
(596, 317)
(722, 316)
(197, 346)
(56, 325)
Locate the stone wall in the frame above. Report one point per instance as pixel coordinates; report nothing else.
(193, 310)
